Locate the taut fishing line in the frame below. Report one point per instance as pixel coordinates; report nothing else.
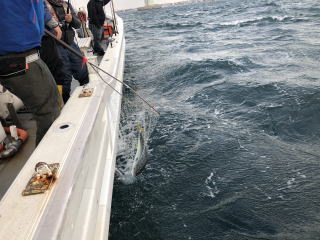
(97, 67)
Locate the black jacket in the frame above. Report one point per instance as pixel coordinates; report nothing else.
(96, 13)
(49, 54)
(67, 31)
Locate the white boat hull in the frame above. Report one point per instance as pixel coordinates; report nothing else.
(84, 141)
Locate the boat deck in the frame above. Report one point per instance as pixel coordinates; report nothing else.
(83, 141)
(10, 167)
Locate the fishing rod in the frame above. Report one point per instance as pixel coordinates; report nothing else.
(85, 60)
(114, 18)
(67, 24)
(68, 9)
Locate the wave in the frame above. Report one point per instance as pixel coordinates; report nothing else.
(271, 4)
(281, 110)
(175, 26)
(199, 72)
(239, 122)
(259, 21)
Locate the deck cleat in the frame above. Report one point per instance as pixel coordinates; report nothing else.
(43, 178)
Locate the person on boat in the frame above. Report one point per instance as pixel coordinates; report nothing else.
(67, 18)
(22, 71)
(49, 49)
(96, 20)
(50, 23)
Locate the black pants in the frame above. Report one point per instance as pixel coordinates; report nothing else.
(74, 68)
(49, 54)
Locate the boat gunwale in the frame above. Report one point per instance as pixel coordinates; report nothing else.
(51, 201)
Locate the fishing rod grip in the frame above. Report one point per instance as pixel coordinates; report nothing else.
(68, 8)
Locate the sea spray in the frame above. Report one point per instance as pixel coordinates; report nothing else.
(134, 117)
(239, 96)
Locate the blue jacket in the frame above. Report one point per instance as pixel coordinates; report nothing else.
(22, 25)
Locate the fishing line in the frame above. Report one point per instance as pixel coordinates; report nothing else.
(152, 107)
(105, 81)
(85, 60)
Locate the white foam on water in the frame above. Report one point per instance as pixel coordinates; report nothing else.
(254, 20)
(291, 181)
(302, 175)
(134, 114)
(127, 179)
(211, 186)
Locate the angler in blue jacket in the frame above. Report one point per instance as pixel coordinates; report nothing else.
(22, 71)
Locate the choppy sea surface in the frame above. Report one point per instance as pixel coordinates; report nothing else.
(235, 153)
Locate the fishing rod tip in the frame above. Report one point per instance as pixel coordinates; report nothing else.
(155, 108)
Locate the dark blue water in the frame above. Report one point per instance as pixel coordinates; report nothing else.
(235, 153)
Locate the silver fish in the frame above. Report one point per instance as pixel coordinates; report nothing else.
(140, 160)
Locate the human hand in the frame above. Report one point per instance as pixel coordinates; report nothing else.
(68, 17)
(58, 32)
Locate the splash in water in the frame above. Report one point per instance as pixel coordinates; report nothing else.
(137, 124)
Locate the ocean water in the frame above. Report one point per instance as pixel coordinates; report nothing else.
(235, 153)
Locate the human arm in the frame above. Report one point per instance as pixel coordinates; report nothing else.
(58, 32)
(73, 19)
(51, 22)
(47, 15)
